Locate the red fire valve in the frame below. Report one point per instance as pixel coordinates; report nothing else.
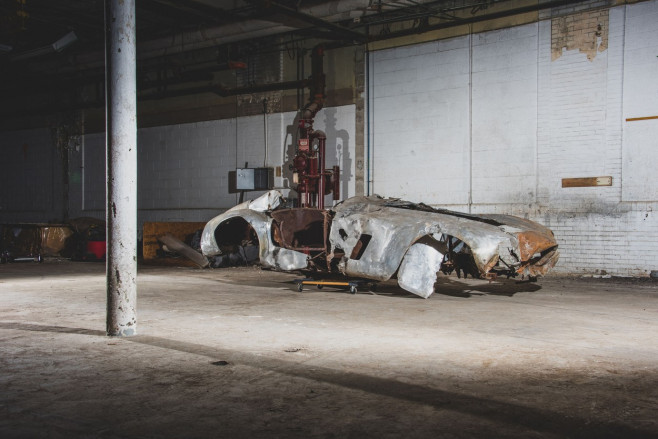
(303, 145)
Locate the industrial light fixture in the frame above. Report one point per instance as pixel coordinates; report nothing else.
(57, 46)
(65, 41)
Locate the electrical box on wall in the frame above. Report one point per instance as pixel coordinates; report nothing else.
(254, 179)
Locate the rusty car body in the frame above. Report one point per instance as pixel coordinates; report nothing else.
(380, 238)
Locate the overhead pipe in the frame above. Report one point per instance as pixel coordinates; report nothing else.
(224, 92)
(317, 87)
(163, 94)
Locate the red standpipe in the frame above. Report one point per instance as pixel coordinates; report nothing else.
(321, 191)
(314, 181)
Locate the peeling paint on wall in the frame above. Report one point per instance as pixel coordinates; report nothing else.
(255, 103)
(586, 32)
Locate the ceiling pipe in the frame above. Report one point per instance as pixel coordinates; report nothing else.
(222, 91)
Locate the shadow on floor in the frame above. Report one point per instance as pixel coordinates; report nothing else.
(457, 287)
(542, 420)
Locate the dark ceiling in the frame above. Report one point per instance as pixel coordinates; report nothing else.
(58, 45)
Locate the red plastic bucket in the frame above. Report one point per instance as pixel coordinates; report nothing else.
(98, 248)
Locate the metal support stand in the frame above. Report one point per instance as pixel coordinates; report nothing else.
(121, 159)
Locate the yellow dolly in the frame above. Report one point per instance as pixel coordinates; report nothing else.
(353, 285)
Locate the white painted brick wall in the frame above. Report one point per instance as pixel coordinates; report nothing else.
(574, 103)
(420, 105)
(534, 122)
(640, 70)
(183, 169)
(504, 129)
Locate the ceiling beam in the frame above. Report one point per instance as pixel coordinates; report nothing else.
(342, 32)
(201, 11)
(474, 19)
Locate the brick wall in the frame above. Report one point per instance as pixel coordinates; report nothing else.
(504, 114)
(183, 170)
(512, 112)
(419, 110)
(640, 91)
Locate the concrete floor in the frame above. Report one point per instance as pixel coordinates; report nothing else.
(240, 353)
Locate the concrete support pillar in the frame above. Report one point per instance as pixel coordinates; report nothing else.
(121, 172)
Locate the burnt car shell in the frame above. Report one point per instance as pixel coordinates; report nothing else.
(380, 238)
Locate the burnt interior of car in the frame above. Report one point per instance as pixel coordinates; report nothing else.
(301, 229)
(238, 243)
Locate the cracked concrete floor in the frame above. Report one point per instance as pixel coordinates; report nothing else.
(240, 353)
